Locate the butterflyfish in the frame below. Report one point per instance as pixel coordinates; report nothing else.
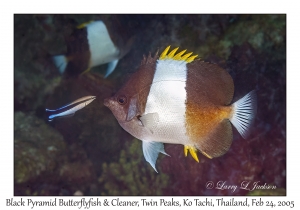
(178, 99)
(71, 108)
(93, 43)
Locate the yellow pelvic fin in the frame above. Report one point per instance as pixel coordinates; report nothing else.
(206, 155)
(83, 25)
(86, 71)
(186, 150)
(164, 55)
(192, 150)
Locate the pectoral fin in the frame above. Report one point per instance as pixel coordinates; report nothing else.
(150, 121)
(111, 67)
(151, 150)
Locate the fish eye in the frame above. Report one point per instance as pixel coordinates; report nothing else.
(122, 100)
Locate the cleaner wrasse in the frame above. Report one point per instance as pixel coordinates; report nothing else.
(71, 108)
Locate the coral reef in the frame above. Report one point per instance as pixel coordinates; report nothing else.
(43, 161)
(35, 153)
(132, 175)
(94, 128)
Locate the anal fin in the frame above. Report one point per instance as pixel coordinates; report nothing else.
(151, 150)
(217, 142)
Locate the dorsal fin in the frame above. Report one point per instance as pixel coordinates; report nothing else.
(179, 56)
(83, 25)
(209, 83)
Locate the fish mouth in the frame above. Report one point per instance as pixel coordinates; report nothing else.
(106, 102)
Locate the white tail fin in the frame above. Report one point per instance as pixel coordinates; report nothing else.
(244, 111)
(60, 62)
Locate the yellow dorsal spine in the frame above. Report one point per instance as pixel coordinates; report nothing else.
(172, 53)
(164, 53)
(186, 56)
(179, 56)
(191, 59)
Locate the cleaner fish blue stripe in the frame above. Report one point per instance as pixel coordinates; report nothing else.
(71, 108)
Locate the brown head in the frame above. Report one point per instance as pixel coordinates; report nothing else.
(128, 104)
(119, 106)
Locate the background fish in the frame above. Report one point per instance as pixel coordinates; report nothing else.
(90, 45)
(99, 42)
(174, 99)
